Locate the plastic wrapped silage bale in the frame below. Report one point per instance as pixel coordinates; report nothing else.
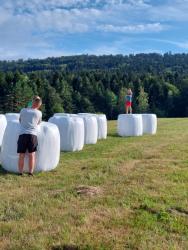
(71, 130)
(130, 125)
(48, 151)
(12, 116)
(61, 114)
(65, 114)
(90, 128)
(149, 122)
(102, 126)
(3, 124)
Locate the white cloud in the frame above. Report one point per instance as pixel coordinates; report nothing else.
(69, 21)
(174, 10)
(5, 15)
(139, 28)
(117, 15)
(25, 25)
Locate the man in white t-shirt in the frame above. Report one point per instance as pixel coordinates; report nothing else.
(30, 118)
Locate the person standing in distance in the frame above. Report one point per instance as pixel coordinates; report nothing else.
(30, 118)
(128, 101)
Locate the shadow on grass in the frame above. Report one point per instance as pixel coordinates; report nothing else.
(114, 135)
(2, 171)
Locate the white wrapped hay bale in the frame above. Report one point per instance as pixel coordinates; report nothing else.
(71, 130)
(61, 114)
(12, 116)
(65, 114)
(90, 128)
(47, 156)
(149, 122)
(130, 125)
(3, 124)
(102, 126)
(48, 153)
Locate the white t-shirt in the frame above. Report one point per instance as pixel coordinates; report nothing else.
(29, 120)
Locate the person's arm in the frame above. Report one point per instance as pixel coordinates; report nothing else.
(40, 119)
(20, 116)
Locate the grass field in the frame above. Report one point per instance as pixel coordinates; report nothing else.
(140, 200)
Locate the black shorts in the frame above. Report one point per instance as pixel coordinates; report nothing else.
(27, 142)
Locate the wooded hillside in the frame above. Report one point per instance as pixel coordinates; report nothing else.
(98, 84)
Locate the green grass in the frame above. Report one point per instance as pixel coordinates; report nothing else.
(142, 204)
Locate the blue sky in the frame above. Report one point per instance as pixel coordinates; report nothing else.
(43, 28)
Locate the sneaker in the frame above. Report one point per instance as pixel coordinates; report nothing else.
(30, 174)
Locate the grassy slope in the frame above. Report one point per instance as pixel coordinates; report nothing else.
(144, 184)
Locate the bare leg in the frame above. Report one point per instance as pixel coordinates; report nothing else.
(131, 110)
(21, 163)
(31, 162)
(127, 109)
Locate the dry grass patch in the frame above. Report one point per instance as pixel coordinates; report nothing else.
(88, 190)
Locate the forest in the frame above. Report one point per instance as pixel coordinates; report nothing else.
(89, 83)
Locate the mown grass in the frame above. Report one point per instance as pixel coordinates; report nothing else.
(142, 203)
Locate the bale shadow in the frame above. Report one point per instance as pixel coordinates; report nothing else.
(3, 171)
(114, 135)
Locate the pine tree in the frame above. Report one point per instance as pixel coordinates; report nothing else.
(111, 103)
(121, 100)
(52, 101)
(142, 101)
(22, 94)
(65, 92)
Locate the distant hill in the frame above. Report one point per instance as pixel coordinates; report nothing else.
(138, 62)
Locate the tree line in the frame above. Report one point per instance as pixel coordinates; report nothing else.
(98, 84)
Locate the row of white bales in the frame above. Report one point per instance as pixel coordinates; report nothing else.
(65, 132)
